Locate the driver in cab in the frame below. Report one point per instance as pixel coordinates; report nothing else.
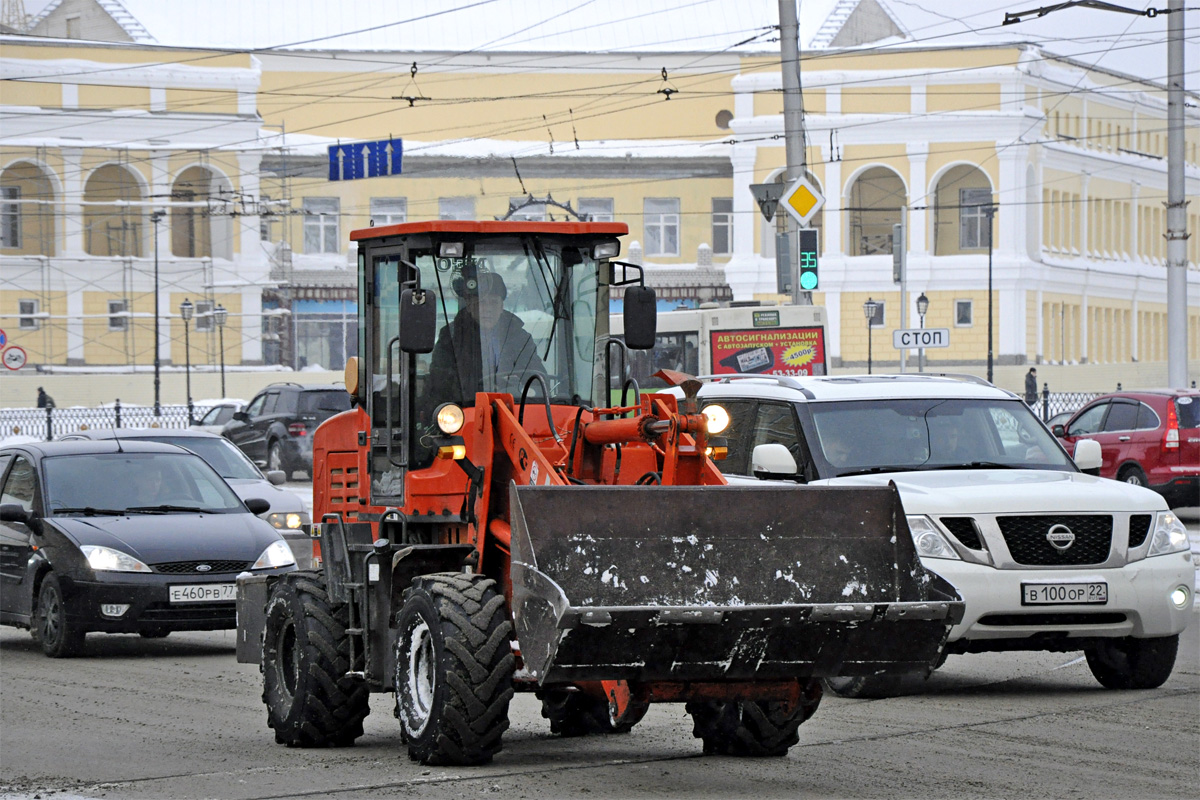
(485, 347)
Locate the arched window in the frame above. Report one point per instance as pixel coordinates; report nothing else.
(876, 198)
(199, 224)
(26, 210)
(111, 225)
(960, 215)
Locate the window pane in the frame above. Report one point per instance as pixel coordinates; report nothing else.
(534, 212)
(27, 308)
(963, 312)
(10, 217)
(596, 209)
(456, 208)
(1121, 417)
(389, 210)
(321, 224)
(722, 225)
(117, 320)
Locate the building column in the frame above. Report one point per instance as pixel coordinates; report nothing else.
(72, 211)
(250, 325)
(744, 270)
(833, 245)
(1010, 194)
(918, 226)
(75, 350)
(246, 247)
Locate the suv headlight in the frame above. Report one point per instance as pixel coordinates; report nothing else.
(929, 540)
(105, 559)
(277, 554)
(1170, 536)
(288, 521)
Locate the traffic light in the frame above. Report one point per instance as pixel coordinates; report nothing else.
(808, 259)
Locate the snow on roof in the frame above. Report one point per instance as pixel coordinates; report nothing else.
(1117, 42)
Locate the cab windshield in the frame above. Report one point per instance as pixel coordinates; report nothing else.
(869, 436)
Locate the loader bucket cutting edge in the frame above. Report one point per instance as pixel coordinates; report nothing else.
(685, 583)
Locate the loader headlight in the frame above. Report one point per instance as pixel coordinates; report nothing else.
(449, 418)
(929, 540)
(1169, 535)
(718, 419)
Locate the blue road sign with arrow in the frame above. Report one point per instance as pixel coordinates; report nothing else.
(365, 159)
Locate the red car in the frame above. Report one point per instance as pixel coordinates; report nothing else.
(1150, 437)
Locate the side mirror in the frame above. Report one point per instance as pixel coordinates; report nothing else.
(772, 461)
(1059, 430)
(641, 318)
(14, 512)
(1088, 456)
(257, 505)
(241, 416)
(418, 321)
(277, 477)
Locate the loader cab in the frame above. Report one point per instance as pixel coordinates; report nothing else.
(516, 307)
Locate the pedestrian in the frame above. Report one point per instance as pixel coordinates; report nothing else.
(1031, 386)
(44, 400)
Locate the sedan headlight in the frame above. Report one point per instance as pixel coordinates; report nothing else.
(105, 559)
(277, 554)
(1170, 536)
(929, 540)
(288, 521)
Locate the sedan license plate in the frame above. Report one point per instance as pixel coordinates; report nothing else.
(1062, 594)
(203, 593)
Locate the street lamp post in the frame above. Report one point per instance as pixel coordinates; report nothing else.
(185, 311)
(991, 213)
(219, 314)
(869, 312)
(155, 218)
(922, 307)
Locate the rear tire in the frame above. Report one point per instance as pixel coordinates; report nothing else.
(579, 714)
(310, 701)
(752, 728)
(1134, 475)
(1131, 663)
(277, 460)
(454, 669)
(59, 636)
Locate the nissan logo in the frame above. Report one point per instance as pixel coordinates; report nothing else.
(206, 567)
(1060, 537)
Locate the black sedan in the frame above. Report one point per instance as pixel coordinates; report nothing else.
(123, 537)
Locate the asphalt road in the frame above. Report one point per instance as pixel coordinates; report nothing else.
(179, 718)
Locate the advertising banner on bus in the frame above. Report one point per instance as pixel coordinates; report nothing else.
(777, 351)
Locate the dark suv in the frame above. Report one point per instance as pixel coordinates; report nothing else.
(275, 429)
(1149, 437)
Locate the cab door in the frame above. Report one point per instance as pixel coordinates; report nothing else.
(16, 538)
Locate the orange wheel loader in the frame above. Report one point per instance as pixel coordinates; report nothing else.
(500, 511)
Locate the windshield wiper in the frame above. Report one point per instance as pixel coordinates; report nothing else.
(978, 465)
(166, 509)
(89, 511)
(871, 471)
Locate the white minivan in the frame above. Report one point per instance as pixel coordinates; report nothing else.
(1046, 556)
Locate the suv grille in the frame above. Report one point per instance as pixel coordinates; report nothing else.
(1139, 527)
(1027, 542)
(189, 567)
(964, 530)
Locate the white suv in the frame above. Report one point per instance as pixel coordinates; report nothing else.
(1045, 556)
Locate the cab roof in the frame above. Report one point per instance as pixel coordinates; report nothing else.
(495, 227)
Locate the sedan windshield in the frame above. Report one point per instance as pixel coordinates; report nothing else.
(143, 483)
(869, 436)
(221, 454)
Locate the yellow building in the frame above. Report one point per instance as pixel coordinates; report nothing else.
(662, 119)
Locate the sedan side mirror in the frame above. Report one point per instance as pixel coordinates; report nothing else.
(1088, 456)
(772, 461)
(1059, 430)
(14, 512)
(257, 505)
(277, 477)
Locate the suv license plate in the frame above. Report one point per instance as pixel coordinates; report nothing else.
(203, 593)
(1062, 594)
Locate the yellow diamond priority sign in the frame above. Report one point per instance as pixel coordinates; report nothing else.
(802, 201)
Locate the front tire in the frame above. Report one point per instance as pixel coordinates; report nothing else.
(1131, 663)
(866, 686)
(752, 728)
(454, 669)
(310, 701)
(58, 635)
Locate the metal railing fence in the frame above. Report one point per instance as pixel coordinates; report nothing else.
(51, 423)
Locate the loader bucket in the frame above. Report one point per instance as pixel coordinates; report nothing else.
(721, 583)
